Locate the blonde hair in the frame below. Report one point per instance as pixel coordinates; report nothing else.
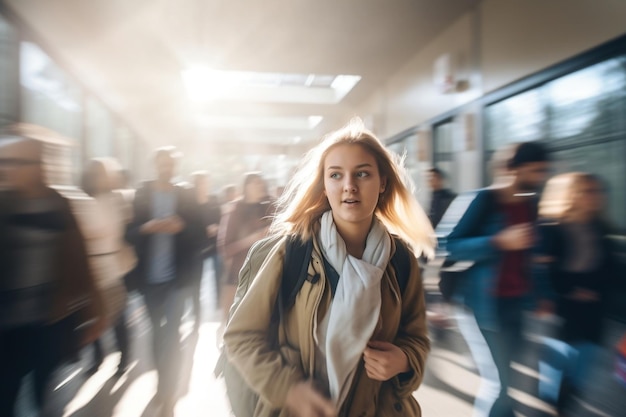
(558, 201)
(303, 201)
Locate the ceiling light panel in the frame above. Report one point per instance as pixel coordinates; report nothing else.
(303, 123)
(205, 84)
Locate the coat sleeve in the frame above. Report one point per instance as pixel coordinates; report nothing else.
(412, 335)
(139, 217)
(246, 339)
(465, 242)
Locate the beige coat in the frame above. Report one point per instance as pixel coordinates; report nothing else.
(271, 372)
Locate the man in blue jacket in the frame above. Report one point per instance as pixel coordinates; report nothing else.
(497, 234)
(164, 232)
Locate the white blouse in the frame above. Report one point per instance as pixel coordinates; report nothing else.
(103, 222)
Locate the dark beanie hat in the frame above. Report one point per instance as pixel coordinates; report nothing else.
(528, 152)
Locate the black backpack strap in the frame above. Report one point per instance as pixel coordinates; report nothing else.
(401, 263)
(296, 267)
(295, 270)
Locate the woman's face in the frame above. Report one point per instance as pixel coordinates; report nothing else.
(589, 197)
(352, 184)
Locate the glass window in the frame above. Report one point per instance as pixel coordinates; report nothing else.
(443, 142)
(9, 90)
(49, 98)
(124, 146)
(99, 130)
(588, 104)
(520, 118)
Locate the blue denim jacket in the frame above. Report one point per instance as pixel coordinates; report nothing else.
(467, 242)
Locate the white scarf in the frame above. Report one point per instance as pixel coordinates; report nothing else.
(351, 319)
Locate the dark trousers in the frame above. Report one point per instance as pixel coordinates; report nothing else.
(194, 289)
(505, 345)
(165, 308)
(22, 350)
(120, 331)
(216, 260)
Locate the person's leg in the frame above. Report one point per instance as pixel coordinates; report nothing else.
(581, 365)
(154, 298)
(506, 344)
(48, 354)
(123, 342)
(196, 304)
(555, 357)
(496, 343)
(98, 356)
(216, 260)
(15, 353)
(490, 381)
(168, 385)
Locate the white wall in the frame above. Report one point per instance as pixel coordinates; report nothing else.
(521, 37)
(410, 97)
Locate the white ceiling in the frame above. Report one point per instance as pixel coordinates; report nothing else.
(131, 54)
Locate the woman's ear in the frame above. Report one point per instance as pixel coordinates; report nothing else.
(383, 184)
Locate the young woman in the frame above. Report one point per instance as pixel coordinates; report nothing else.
(577, 257)
(356, 346)
(109, 256)
(247, 222)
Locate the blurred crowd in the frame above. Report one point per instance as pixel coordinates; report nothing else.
(539, 248)
(69, 264)
(70, 260)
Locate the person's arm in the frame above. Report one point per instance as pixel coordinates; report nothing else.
(246, 336)
(138, 218)
(465, 242)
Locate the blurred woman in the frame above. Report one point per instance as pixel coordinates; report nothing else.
(247, 222)
(354, 343)
(576, 255)
(110, 257)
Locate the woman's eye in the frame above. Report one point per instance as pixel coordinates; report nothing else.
(362, 174)
(335, 175)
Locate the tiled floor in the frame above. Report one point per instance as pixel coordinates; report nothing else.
(450, 384)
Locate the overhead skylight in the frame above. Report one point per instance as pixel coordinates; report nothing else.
(259, 122)
(205, 84)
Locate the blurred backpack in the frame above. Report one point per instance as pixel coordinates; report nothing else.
(452, 271)
(242, 398)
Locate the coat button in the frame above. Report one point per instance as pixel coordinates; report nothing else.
(398, 407)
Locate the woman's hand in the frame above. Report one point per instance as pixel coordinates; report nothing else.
(384, 360)
(303, 400)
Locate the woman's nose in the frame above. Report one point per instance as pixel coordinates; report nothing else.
(349, 186)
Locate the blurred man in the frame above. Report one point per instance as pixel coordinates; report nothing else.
(164, 232)
(49, 307)
(497, 233)
(441, 196)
